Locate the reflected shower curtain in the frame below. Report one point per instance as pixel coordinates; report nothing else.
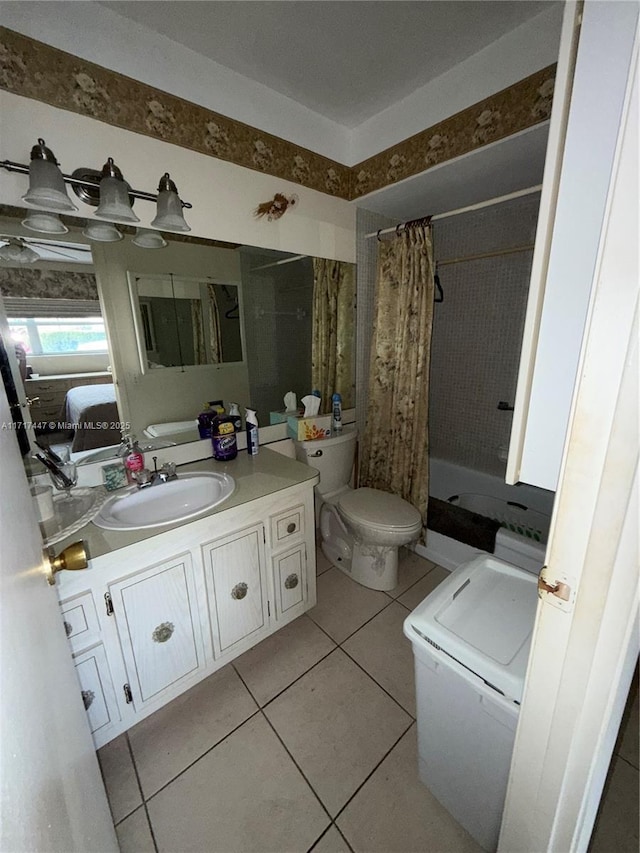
(333, 331)
(394, 452)
(215, 341)
(199, 350)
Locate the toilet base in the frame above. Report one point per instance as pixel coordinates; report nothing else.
(373, 566)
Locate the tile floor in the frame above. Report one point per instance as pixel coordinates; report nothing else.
(308, 742)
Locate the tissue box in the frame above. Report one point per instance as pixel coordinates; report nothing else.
(278, 417)
(309, 429)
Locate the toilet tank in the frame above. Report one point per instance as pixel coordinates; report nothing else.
(332, 457)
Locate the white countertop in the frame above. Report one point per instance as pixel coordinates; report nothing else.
(255, 477)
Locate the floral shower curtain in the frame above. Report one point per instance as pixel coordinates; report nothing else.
(394, 453)
(333, 330)
(199, 351)
(215, 341)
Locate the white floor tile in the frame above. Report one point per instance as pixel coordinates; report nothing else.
(245, 796)
(384, 652)
(176, 735)
(419, 591)
(344, 605)
(395, 813)
(277, 661)
(331, 842)
(411, 567)
(134, 835)
(337, 724)
(119, 778)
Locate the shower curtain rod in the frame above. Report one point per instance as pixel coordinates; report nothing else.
(468, 209)
(280, 262)
(479, 257)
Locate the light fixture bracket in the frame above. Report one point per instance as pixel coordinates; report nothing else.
(89, 190)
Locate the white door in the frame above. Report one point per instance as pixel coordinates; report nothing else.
(52, 796)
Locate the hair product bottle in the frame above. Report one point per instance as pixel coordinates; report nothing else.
(251, 418)
(223, 438)
(336, 413)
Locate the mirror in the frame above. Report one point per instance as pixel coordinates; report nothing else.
(158, 311)
(183, 322)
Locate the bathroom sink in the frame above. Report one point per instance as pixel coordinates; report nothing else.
(165, 503)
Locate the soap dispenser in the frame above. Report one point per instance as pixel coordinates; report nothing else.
(134, 460)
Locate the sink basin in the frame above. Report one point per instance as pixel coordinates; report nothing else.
(165, 503)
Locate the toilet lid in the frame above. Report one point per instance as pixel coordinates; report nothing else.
(380, 508)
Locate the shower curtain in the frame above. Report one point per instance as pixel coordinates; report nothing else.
(215, 341)
(394, 453)
(199, 351)
(332, 337)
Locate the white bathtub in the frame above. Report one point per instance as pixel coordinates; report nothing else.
(526, 551)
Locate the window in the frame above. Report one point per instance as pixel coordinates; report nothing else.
(56, 326)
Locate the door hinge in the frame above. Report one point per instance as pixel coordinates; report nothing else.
(268, 608)
(264, 536)
(108, 602)
(128, 696)
(560, 593)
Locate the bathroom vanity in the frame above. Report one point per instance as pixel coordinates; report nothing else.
(159, 609)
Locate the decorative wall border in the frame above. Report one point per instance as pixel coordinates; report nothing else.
(36, 70)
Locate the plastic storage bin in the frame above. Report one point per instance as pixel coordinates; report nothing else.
(471, 640)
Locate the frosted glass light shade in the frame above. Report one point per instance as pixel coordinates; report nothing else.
(114, 201)
(17, 252)
(169, 214)
(146, 239)
(102, 232)
(47, 190)
(44, 223)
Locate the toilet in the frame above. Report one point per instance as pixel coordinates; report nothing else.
(361, 529)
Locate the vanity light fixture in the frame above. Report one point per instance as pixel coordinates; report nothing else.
(169, 216)
(17, 252)
(114, 196)
(107, 190)
(147, 239)
(44, 223)
(102, 232)
(47, 189)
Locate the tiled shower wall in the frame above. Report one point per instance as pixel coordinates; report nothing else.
(477, 330)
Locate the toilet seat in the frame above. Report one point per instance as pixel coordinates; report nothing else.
(379, 509)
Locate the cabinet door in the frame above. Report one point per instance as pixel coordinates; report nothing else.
(236, 583)
(290, 582)
(97, 690)
(157, 620)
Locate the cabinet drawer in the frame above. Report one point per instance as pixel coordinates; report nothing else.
(235, 578)
(290, 580)
(287, 526)
(80, 620)
(96, 685)
(159, 628)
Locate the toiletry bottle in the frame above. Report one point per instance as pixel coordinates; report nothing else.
(234, 413)
(336, 417)
(204, 421)
(134, 460)
(223, 438)
(251, 418)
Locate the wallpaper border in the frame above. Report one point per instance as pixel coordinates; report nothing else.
(36, 70)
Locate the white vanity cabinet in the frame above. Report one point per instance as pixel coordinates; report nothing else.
(148, 620)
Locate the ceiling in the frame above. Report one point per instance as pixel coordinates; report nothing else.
(347, 61)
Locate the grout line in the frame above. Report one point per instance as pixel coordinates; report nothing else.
(626, 760)
(144, 803)
(344, 838)
(206, 752)
(384, 689)
(286, 749)
(295, 680)
(366, 779)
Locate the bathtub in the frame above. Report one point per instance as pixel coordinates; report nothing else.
(524, 511)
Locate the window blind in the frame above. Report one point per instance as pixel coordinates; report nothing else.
(20, 306)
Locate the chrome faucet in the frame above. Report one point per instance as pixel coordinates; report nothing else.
(166, 473)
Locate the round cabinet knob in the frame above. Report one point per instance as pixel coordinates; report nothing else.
(291, 527)
(68, 627)
(87, 698)
(239, 591)
(163, 632)
(291, 582)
